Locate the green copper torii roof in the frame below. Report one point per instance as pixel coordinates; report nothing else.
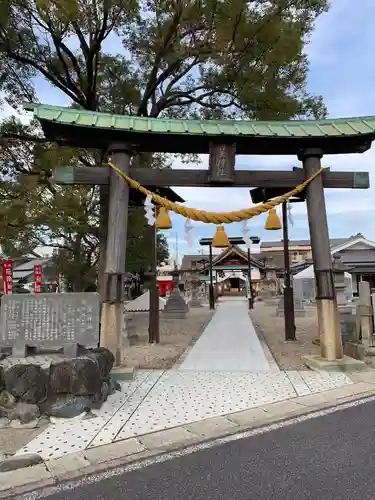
(92, 129)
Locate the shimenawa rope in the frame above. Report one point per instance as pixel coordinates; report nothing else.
(215, 217)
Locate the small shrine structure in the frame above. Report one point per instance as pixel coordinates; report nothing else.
(165, 279)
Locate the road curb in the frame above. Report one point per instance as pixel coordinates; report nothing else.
(135, 449)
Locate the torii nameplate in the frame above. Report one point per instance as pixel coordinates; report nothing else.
(221, 163)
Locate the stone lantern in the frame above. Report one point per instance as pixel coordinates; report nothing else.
(175, 307)
(339, 269)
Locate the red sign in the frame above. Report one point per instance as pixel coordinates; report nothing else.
(38, 278)
(7, 267)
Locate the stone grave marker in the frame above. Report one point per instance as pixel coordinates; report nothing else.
(299, 310)
(49, 320)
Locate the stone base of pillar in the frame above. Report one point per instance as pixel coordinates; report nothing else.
(345, 364)
(112, 321)
(329, 329)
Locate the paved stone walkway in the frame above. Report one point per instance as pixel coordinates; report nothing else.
(156, 400)
(229, 342)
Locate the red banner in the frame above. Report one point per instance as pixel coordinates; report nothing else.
(38, 278)
(7, 268)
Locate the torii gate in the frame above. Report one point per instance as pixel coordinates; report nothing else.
(123, 136)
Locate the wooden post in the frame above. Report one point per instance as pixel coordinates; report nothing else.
(153, 328)
(328, 315)
(251, 298)
(290, 329)
(112, 319)
(211, 296)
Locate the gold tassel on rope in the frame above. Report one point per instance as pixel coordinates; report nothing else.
(220, 240)
(273, 221)
(163, 221)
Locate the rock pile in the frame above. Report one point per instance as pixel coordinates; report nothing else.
(64, 389)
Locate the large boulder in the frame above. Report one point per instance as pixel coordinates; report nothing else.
(78, 376)
(27, 382)
(113, 386)
(66, 405)
(98, 399)
(103, 357)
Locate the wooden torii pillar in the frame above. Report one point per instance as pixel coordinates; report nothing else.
(328, 315)
(112, 316)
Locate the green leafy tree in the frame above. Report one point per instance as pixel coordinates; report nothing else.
(179, 58)
(36, 213)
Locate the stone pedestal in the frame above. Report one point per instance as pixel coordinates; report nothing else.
(176, 307)
(299, 310)
(348, 323)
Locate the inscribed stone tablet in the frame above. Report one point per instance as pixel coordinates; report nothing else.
(49, 319)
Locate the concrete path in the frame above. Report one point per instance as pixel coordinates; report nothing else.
(229, 342)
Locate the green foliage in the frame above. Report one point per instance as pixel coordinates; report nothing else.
(179, 58)
(38, 214)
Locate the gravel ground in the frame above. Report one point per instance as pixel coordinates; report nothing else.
(175, 337)
(287, 354)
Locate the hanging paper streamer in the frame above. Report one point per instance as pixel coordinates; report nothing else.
(149, 210)
(290, 217)
(246, 237)
(247, 240)
(188, 232)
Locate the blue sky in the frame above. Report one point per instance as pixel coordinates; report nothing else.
(342, 69)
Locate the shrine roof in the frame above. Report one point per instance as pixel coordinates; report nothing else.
(83, 128)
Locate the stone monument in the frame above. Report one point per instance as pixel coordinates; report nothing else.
(67, 320)
(348, 322)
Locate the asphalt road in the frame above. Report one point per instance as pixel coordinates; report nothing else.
(327, 458)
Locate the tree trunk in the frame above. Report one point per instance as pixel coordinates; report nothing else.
(78, 279)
